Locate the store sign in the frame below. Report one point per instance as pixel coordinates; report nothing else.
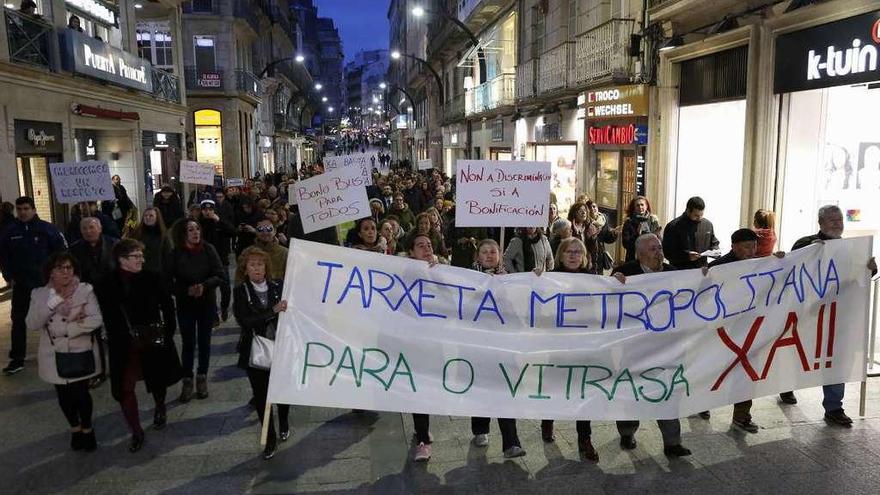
(99, 10)
(834, 54)
(209, 79)
(617, 102)
(618, 134)
(38, 137)
(91, 57)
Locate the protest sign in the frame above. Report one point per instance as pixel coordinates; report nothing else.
(75, 182)
(364, 162)
(426, 164)
(235, 181)
(376, 332)
(196, 173)
(330, 198)
(501, 193)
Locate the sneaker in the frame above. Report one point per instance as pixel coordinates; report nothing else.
(586, 449)
(423, 453)
(628, 442)
(746, 426)
(201, 387)
(705, 415)
(838, 417)
(481, 440)
(186, 390)
(515, 451)
(788, 398)
(676, 451)
(14, 367)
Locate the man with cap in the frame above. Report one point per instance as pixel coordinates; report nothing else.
(744, 246)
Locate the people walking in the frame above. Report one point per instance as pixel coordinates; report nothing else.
(24, 246)
(66, 313)
(194, 272)
(139, 321)
(257, 303)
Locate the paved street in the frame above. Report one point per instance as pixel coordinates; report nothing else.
(211, 446)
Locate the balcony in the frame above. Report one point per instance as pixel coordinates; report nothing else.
(203, 80)
(166, 86)
(525, 80)
(691, 14)
(247, 82)
(554, 69)
(31, 40)
(490, 95)
(284, 123)
(453, 111)
(602, 52)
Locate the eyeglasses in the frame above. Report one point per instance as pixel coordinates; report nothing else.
(573, 252)
(62, 268)
(138, 256)
(264, 228)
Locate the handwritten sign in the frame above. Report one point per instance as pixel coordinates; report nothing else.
(196, 173)
(75, 182)
(330, 198)
(426, 164)
(456, 342)
(364, 162)
(501, 193)
(234, 181)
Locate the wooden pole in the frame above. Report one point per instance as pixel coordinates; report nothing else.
(267, 416)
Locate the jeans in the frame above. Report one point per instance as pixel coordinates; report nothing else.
(21, 303)
(509, 438)
(422, 423)
(833, 397)
(195, 321)
(669, 428)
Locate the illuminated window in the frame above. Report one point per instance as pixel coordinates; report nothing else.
(209, 139)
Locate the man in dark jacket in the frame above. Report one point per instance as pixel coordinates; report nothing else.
(830, 227)
(24, 247)
(295, 230)
(218, 231)
(168, 202)
(649, 259)
(689, 235)
(94, 252)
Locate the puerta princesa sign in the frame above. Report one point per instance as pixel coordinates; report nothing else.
(834, 54)
(94, 58)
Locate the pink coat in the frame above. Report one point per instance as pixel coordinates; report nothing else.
(68, 336)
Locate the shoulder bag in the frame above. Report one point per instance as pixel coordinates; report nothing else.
(73, 365)
(262, 348)
(145, 336)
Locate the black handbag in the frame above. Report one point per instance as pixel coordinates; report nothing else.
(73, 365)
(146, 336)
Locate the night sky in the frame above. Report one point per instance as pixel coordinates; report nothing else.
(362, 24)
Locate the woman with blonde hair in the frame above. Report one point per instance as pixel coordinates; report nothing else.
(765, 226)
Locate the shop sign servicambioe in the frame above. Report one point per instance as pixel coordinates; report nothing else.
(834, 54)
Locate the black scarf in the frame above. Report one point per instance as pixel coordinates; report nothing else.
(529, 251)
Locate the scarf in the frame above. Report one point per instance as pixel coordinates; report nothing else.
(643, 222)
(599, 221)
(498, 270)
(197, 249)
(528, 248)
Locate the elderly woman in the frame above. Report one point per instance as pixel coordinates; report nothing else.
(139, 318)
(257, 304)
(65, 312)
(572, 257)
(559, 231)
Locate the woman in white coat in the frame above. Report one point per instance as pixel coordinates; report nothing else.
(65, 312)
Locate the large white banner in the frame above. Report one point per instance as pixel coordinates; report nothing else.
(362, 162)
(196, 173)
(330, 198)
(490, 193)
(378, 332)
(75, 182)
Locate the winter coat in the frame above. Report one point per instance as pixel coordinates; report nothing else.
(93, 268)
(682, 235)
(251, 316)
(172, 210)
(138, 299)
(24, 247)
(405, 217)
(156, 248)
(633, 227)
(122, 200)
(185, 268)
(67, 335)
(596, 247)
(514, 260)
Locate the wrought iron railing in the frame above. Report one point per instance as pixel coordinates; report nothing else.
(498, 92)
(602, 51)
(166, 86)
(525, 79)
(203, 80)
(30, 39)
(246, 81)
(553, 72)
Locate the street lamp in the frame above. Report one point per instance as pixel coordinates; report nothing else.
(299, 58)
(395, 54)
(324, 99)
(383, 85)
(330, 109)
(319, 86)
(419, 12)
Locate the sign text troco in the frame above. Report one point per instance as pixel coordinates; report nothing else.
(617, 102)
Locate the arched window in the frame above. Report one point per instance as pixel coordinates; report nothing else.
(209, 139)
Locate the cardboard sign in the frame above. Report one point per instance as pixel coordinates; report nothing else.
(196, 173)
(502, 193)
(364, 162)
(235, 181)
(331, 198)
(75, 182)
(426, 164)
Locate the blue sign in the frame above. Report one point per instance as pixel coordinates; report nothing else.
(641, 136)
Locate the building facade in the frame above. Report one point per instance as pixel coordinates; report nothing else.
(109, 90)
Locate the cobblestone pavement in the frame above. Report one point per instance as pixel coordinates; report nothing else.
(211, 446)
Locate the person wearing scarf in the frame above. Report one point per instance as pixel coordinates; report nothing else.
(528, 251)
(152, 234)
(639, 220)
(194, 272)
(599, 234)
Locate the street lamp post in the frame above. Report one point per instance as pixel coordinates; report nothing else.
(396, 54)
(419, 12)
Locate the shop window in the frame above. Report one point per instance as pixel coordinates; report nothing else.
(154, 44)
(209, 138)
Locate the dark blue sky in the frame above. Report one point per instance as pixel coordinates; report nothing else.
(362, 24)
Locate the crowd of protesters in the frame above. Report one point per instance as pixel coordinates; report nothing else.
(108, 300)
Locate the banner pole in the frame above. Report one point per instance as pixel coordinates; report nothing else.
(267, 416)
(501, 244)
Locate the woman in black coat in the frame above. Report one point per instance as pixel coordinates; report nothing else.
(131, 296)
(256, 305)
